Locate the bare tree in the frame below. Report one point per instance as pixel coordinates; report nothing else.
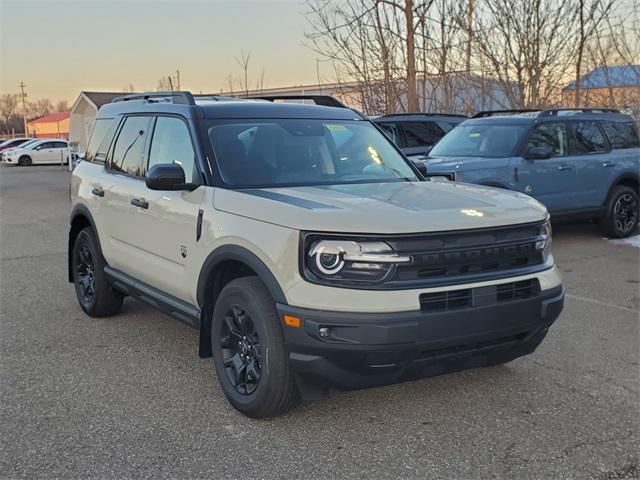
(62, 106)
(39, 108)
(243, 63)
(371, 45)
(8, 106)
(526, 45)
(166, 84)
(591, 14)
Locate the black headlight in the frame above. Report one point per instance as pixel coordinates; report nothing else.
(342, 262)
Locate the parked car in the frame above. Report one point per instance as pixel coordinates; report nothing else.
(580, 163)
(416, 133)
(303, 246)
(13, 142)
(40, 151)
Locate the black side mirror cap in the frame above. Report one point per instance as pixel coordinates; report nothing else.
(420, 165)
(167, 176)
(538, 153)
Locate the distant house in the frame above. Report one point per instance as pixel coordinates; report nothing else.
(617, 87)
(83, 114)
(54, 125)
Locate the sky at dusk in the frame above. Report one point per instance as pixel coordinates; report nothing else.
(59, 48)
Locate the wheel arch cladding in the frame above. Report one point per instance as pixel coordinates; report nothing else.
(80, 218)
(627, 180)
(224, 264)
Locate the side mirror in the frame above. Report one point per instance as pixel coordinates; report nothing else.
(167, 176)
(38, 148)
(420, 165)
(538, 153)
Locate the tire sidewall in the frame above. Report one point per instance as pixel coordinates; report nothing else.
(24, 161)
(264, 324)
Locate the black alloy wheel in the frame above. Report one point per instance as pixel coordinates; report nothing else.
(622, 212)
(85, 271)
(241, 350)
(96, 296)
(625, 213)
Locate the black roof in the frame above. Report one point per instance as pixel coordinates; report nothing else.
(420, 116)
(212, 106)
(262, 109)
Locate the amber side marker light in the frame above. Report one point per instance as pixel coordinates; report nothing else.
(291, 321)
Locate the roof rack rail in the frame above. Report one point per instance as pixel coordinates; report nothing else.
(322, 100)
(184, 98)
(550, 112)
(491, 113)
(431, 114)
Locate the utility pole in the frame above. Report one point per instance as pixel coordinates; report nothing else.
(24, 107)
(178, 79)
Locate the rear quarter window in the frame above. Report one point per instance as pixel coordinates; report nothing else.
(100, 139)
(621, 134)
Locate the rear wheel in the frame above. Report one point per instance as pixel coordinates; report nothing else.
(24, 161)
(621, 218)
(96, 296)
(249, 352)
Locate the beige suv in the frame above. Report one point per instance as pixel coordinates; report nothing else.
(304, 247)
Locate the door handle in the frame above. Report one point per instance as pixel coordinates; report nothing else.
(98, 192)
(608, 164)
(564, 167)
(139, 202)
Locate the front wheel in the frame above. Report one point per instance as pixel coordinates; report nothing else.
(24, 161)
(249, 352)
(621, 218)
(96, 296)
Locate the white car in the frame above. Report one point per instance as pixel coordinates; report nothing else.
(40, 151)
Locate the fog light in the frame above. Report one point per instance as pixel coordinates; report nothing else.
(324, 332)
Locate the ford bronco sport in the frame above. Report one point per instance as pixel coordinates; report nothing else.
(580, 163)
(303, 246)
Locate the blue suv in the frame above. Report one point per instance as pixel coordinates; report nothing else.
(580, 163)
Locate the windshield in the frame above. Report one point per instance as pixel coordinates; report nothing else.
(480, 141)
(279, 152)
(26, 144)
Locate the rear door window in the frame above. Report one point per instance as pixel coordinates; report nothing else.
(419, 134)
(550, 134)
(589, 138)
(393, 132)
(621, 134)
(127, 151)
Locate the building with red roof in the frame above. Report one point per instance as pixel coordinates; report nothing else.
(54, 125)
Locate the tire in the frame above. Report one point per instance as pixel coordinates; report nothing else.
(24, 161)
(621, 217)
(96, 296)
(249, 352)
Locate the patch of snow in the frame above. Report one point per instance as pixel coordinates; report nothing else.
(630, 241)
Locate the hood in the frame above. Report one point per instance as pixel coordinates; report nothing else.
(377, 208)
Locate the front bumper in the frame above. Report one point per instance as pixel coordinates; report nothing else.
(370, 349)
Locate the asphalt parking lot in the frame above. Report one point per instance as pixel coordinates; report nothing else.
(128, 396)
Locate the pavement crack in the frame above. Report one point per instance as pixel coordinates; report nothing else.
(597, 441)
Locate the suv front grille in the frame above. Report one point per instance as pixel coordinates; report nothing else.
(471, 297)
(460, 257)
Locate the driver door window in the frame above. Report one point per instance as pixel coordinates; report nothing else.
(171, 143)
